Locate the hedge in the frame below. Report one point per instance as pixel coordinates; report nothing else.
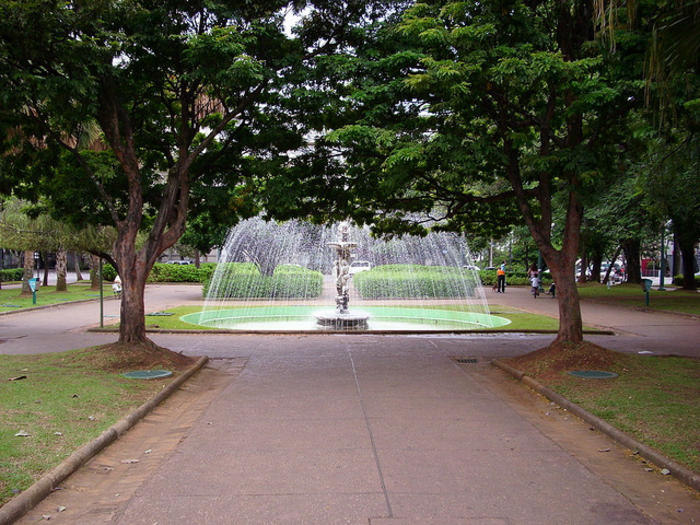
(11, 274)
(405, 281)
(678, 280)
(488, 278)
(169, 273)
(244, 281)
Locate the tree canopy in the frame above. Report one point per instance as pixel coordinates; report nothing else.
(183, 94)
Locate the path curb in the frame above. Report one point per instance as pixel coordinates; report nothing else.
(108, 329)
(25, 501)
(685, 475)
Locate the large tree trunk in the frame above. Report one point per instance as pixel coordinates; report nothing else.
(611, 266)
(28, 272)
(633, 269)
(582, 278)
(596, 262)
(45, 258)
(676, 261)
(61, 267)
(570, 321)
(687, 245)
(94, 272)
(562, 264)
(197, 260)
(132, 328)
(76, 264)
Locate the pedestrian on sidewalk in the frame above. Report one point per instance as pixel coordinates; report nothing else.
(501, 278)
(535, 282)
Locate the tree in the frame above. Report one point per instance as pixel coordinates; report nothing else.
(185, 93)
(671, 168)
(476, 113)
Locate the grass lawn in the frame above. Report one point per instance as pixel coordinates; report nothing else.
(67, 399)
(682, 301)
(519, 320)
(11, 300)
(655, 399)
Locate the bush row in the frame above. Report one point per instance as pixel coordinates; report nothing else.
(244, 281)
(11, 274)
(488, 278)
(169, 273)
(678, 280)
(399, 281)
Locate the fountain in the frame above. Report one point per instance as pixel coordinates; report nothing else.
(342, 317)
(282, 277)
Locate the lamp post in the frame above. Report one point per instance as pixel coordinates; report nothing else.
(102, 316)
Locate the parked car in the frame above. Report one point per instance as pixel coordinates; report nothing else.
(179, 262)
(359, 266)
(471, 267)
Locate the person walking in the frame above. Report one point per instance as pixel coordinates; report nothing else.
(534, 276)
(501, 278)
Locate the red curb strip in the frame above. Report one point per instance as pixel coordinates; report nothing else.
(685, 475)
(24, 502)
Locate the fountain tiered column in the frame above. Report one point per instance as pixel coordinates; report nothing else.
(342, 317)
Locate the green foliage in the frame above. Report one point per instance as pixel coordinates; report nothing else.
(11, 274)
(406, 281)
(169, 273)
(174, 273)
(488, 278)
(244, 281)
(678, 280)
(109, 273)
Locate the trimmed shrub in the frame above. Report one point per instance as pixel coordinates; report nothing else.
(168, 273)
(405, 281)
(488, 278)
(11, 274)
(244, 281)
(678, 280)
(108, 272)
(174, 273)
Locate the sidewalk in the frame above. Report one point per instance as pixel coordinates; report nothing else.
(657, 332)
(363, 429)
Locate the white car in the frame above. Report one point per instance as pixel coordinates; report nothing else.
(359, 266)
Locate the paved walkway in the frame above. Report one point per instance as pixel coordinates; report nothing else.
(366, 429)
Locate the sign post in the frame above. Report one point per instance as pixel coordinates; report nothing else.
(32, 286)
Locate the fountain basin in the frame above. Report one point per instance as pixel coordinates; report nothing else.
(381, 318)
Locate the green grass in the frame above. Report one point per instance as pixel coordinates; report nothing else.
(655, 399)
(682, 301)
(47, 295)
(519, 320)
(67, 392)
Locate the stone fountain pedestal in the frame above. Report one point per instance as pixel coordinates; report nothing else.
(342, 318)
(339, 320)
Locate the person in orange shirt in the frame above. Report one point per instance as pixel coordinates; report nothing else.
(501, 278)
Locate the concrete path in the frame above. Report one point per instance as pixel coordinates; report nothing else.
(637, 330)
(367, 429)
